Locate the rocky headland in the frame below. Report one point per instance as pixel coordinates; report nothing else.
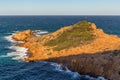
(81, 47)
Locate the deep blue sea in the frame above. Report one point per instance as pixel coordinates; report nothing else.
(11, 65)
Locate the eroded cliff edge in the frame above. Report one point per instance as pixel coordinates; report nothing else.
(76, 40)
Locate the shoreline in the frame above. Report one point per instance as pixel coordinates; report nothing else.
(99, 64)
(85, 64)
(100, 57)
(65, 63)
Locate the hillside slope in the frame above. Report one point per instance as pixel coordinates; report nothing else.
(82, 37)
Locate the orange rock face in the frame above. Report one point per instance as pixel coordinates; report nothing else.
(101, 43)
(22, 36)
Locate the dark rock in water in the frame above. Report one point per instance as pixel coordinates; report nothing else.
(63, 67)
(36, 31)
(105, 64)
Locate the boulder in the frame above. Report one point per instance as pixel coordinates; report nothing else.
(22, 36)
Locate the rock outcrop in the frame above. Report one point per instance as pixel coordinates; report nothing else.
(80, 39)
(105, 64)
(43, 47)
(22, 36)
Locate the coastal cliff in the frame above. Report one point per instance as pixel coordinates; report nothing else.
(81, 45)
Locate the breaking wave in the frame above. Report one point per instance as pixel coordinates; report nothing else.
(75, 75)
(41, 33)
(19, 53)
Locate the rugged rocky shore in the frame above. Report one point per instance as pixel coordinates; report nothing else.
(105, 64)
(82, 47)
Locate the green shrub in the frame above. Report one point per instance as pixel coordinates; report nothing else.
(81, 33)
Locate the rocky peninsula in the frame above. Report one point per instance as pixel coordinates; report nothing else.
(81, 47)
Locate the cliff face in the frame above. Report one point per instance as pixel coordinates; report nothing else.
(105, 64)
(81, 46)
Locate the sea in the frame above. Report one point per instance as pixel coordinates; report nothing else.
(12, 64)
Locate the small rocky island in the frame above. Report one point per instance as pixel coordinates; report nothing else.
(81, 47)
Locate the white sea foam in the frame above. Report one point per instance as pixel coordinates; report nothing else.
(9, 38)
(15, 31)
(19, 53)
(92, 78)
(2, 56)
(101, 78)
(41, 33)
(58, 67)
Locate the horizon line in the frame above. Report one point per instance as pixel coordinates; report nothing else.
(60, 15)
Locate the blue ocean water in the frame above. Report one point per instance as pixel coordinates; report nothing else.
(11, 65)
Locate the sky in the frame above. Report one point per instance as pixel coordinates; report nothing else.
(59, 7)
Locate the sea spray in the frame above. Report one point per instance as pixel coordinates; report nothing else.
(3, 56)
(9, 38)
(41, 33)
(18, 53)
(59, 67)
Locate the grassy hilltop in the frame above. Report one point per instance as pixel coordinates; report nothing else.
(80, 33)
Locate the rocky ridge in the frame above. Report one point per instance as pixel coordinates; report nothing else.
(96, 53)
(39, 51)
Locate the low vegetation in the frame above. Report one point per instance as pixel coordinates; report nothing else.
(80, 33)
